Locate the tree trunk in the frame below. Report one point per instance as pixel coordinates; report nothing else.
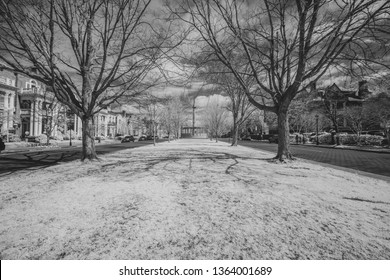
(88, 151)
(48, 138)
(154, 137)
(235, 133)
(283, 135)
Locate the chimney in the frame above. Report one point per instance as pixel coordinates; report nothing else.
(363, 88)
(313, 87)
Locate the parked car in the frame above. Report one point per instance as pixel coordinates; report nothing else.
(99, 138)
(274, 138)
(128, 138)
(150, 137)
(142, 138)
(246, 138)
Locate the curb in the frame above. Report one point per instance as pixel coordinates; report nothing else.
(341, 148)
(333, 147)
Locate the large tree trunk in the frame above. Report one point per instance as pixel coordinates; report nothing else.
(235, 133)
(89, 151)
(283, 135)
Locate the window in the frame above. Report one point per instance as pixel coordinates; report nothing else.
(33, 84)
(26, 104)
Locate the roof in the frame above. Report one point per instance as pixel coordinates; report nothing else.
(335, 92)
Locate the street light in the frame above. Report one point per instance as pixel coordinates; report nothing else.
(316, 129)
(68, 116)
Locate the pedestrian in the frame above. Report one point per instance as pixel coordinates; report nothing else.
(296, 138)
(2, 145)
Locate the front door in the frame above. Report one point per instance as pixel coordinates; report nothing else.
(25, 126)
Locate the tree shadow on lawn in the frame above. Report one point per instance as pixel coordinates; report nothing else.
(31, 161)
(148, 164)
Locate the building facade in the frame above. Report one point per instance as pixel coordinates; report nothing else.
(335, 100)
(29, 108)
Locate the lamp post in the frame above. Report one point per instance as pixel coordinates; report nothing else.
(316, 129)
(193, 119)
(70, 137)
(68, 116)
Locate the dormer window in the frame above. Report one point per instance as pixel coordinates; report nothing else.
(33, 84)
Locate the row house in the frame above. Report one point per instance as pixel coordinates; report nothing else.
(23, 104)
(26, 107)
(8, 95)
(113, 122)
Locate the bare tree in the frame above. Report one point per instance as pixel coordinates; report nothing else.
(288, 45)
(225, 83)
(215, 119)
(52, 114)
(153, 106)
(89, 52)
(378, 108)
(239, 106)
(357, 118)
(174, 115)
(302, 111)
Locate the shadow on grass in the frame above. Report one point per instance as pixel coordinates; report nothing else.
(365, 200)
(30, 161)
(149, 164)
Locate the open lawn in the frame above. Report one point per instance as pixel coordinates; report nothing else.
(193, 199)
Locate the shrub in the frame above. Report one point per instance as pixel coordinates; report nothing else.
(324, 138)
(42, 139)
(69, 133)
(60, 136)
(372, 140)
(348, 139)
(369, 140)
(12, 137)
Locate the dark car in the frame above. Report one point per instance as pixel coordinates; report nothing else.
(128, 138)
(142, 138)
(274, 138)
(246, 138)
(150, 137)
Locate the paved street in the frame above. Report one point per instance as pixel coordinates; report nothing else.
(31, 160)
(377, 163)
